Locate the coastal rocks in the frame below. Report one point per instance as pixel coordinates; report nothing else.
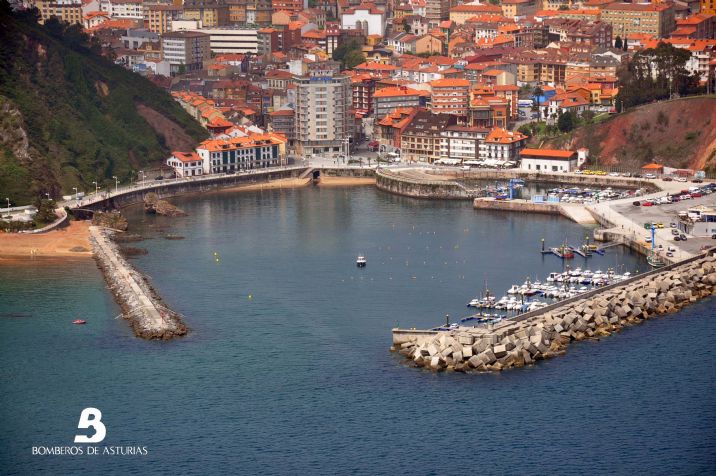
(519, 343)
(153, 204)
(114, 220)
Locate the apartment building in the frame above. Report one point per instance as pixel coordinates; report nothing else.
(656, 19)
(323, 109)
(450, 96)
(185, 50)
(69, 11)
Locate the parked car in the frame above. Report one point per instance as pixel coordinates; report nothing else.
(696, 195)
(669, 254)
(697, 180)
(677, 238)
(681, 179)
(667, 179)
(713, 237)
(672, 225)
(636, 203)
(671, 248)
(683, 237)
(647, 203)
(650, 176)
(660, 225)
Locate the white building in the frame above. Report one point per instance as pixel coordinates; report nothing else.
(548, 160)
(131, 9)
(462, 143)
(232, 40)
(186, 164)
(366, 17)
(220, 156)
(502, 145)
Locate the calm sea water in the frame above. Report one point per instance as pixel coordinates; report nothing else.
(287, 369)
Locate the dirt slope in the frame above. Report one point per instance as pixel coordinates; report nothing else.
(679, 133)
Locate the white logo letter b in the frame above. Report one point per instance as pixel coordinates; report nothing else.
(94, 422)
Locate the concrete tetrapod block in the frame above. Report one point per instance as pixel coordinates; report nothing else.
(500, 350)
(465, 339)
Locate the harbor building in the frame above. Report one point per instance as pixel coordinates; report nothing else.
(548, 160)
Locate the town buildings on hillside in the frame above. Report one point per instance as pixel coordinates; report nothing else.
(427, 79)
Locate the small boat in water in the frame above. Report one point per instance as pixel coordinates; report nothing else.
(79, 321)
(361, 261)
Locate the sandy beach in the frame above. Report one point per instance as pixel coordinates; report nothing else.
(281, 183)
(71, 241)
(327, 181)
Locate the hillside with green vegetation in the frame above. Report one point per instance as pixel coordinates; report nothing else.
(69, 116)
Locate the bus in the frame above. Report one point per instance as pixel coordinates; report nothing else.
(525, 103)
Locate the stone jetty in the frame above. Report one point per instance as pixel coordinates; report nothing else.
(140, 304)
(543, 334)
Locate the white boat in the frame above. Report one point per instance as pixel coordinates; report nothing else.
(361, 261)
(513, 290)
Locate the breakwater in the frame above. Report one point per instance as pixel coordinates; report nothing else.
(140, 303)
(542, 334)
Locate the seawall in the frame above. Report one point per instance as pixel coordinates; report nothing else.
(393, 182)
(168, 188)
(140, 304)
(546, 333)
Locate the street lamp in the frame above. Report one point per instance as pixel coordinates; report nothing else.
(96, 188)
(116, 183)
(143, 176)
(48, 195)
(8, 204)
(76, 193)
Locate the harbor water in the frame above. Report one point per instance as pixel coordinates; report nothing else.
(286, 368)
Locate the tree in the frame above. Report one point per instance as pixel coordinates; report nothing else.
(625, 44)
(565, 122)
(537, 93)
(618, 44)
(353, 59)
(406, 25)
(45, 211)
(654, 74)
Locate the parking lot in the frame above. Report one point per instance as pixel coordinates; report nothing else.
(666, 214)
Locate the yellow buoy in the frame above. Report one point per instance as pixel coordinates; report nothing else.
(251, 296)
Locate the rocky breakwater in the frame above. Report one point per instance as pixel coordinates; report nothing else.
(140, 303)
(523, 341)
(153, 204)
